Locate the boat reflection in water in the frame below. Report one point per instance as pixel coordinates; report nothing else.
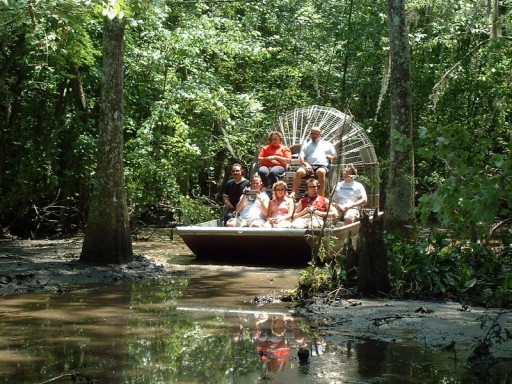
(279, 339)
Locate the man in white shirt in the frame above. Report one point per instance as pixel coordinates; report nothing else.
(252, 209)
(349, 195)
(315, 157)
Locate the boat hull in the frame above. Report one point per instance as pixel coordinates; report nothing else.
(259, 246)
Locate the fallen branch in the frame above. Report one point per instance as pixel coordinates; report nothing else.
(73, 375)
(496, 227)
(384, 320)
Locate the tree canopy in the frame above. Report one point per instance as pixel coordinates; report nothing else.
(205, 79)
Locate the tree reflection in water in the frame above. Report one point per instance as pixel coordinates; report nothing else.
(140, 334)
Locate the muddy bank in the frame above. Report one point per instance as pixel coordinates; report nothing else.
(53, 266)
(446, 326)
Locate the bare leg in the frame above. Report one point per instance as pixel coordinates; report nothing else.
(301, 172)
(348, 220)
(320, 174)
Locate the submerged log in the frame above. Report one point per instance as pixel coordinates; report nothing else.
(372, 277)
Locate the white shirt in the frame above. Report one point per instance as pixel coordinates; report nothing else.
(315, 153)
(348, 193)
(252, 210)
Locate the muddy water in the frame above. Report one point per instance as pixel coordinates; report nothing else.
(201, 329)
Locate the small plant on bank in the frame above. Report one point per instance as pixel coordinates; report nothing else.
(327, 271)
(481, 356)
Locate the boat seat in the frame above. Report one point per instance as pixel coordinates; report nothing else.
(289, 176)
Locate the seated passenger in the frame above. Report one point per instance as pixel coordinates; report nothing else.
(273, 160)
(312, 210)
(349, 195)
(252, 209)
(281, 207)
(315, 157)
(233, 190)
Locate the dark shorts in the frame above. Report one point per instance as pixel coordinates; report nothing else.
(317, 167)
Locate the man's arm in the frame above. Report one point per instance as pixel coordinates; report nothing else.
(227, 202)
(331, 152)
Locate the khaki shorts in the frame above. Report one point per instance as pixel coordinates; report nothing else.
(351, 213)
(245, 222)
(308, 222)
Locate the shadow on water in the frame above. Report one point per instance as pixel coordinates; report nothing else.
(186, 330)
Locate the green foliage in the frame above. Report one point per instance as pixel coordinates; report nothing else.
(464, 144)
(316, 278)
(432, 266)
(204, 81)
(326, 271)
(436, 266)
(113, 9)
(193, 211)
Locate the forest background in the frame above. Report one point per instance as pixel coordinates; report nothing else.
(205, 80)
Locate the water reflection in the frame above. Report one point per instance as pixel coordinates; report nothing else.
(273, 335)
(147, 333)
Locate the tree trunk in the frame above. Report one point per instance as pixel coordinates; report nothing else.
(351, 260)
(107, 237)
(400, 187)
(372, 275)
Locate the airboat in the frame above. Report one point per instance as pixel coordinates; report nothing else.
(211, 242)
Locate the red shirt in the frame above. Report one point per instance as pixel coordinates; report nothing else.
(319, 202)
(270, 150)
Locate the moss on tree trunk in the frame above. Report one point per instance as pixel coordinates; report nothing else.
(107, 237)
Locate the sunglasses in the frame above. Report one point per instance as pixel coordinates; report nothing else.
(312, 186)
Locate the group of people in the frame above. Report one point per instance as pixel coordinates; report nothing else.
(248, 204)
(315, 158)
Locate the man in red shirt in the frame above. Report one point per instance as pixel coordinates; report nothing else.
(313, 209)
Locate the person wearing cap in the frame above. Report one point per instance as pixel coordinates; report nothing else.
(315, 158)
(349, 195)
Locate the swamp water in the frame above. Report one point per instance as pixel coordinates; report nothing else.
(203, 329)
